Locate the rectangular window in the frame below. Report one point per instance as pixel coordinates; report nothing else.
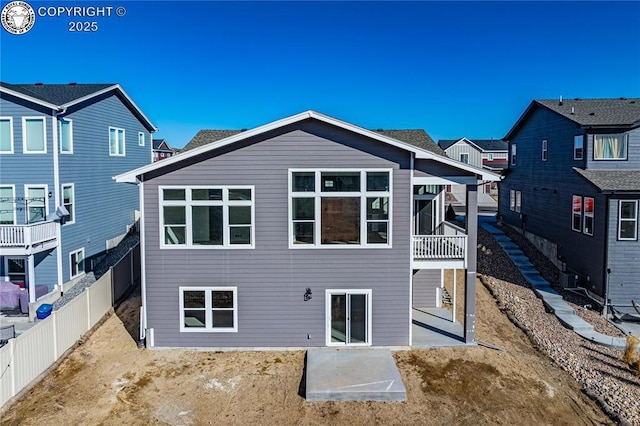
(512, 200)
(140, 139)
(464, 158)
(116, 141)
(66, 136)
(545, 152)
(588, 215)
(36, 203)
(69, 202)
(578, 147)
(628, 220)
(76, 263)
(34, 137)
(338, 208)
(576, 223)
(16, 269)
(207, 217)
(610, 147)
(208, 309)
(513, 154)
(7, 207)
(6, 135)
(518, 201)
(490, 156)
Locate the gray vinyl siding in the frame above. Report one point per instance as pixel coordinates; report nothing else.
(425, 284)
(271, 279)
(633, 153)
(103, 207)
(475, 155)
(547, 189)
(623, 257)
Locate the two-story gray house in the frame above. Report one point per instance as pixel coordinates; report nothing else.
(307, 231)
(573, 185)
(60, 145)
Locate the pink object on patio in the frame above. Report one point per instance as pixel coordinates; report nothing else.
(9, 295)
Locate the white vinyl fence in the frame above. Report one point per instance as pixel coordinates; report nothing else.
(27, 356)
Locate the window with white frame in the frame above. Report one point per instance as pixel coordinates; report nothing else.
(513, 154)
(610, 147)
(515, 200)
(207, 216)
(16, 269)
(340, 207)
(7, 207)
(578, 147)
(34, 137)
(66, 136)
(140, 139)
(576, 222)
(545, 150)
(69, 202)
(36, 203)
(116, 141)
(588, 208)
(208, 309)
(628, 220)
(464, 157)
(518, 201)
(490, 156)
(6, 135)
(76, 263)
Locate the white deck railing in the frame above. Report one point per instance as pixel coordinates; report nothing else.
(448, 242)
(26, 235)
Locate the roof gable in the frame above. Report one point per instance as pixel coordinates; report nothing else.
(62, 96)
(420, 153)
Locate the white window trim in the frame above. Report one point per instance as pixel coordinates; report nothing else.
(318, 194)
(13, 196)
(620, 219)
(327, 315)
(84, 266)
(514, 153)
(626, 145)
(24, 134)
(60, 120)
(11, 151)
(592, 215)
(545, 150)
(124, 142)
(188, 203)
(512, 200)
(6, 267)
(141, 138)
(208, 310)
(46, 199)
(518, 207)
(462, 154)
(73, 204)
(573, 214)
(575, 157)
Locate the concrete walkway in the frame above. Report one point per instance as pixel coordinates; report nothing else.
(551, 298)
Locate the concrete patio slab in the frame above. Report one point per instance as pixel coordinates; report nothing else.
(433, 328)
(356, 374)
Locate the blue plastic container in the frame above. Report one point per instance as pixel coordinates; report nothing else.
(44, 310)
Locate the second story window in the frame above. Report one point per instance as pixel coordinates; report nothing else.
(116, 141)
(578, 147)
(6, 135)
(36, 203)
(34, 137)
(610, 147)
(464, 158)
(68, 199)
(576, 223)
(513, 154)
(66, 136)
(545, 152)
(628, 220)
(7, 210)
(140, 139)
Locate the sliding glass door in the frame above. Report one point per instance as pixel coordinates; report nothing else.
(348, 317)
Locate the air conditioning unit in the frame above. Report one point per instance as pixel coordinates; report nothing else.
(568, 280)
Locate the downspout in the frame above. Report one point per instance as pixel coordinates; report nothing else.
(143, 275)
(607, 270)
(411, 244)
(56, 191)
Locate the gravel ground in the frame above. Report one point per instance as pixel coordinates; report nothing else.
(112, 258)
(599, 369)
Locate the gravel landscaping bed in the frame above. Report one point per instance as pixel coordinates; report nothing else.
(600, 370)
(110, 260)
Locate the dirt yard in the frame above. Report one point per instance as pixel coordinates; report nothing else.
(108, 380)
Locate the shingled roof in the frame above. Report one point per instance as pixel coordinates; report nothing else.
(416, 137)
(620, 113)
(612, 180)
(58, 94)
(483, 144)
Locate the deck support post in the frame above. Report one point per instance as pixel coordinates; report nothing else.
(470, 276)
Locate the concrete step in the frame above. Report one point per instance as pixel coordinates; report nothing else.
(603, 339)
(574, 322)
(559, 307)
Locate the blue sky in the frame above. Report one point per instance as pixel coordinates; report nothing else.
(453, 68)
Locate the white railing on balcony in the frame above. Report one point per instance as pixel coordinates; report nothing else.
(448, 242)
(27, 235)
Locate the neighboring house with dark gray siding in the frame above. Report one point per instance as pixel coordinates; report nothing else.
(308, 231)
(60, 210)
(573, 184)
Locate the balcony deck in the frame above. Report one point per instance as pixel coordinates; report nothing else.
(23, 240)
(446, 248)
